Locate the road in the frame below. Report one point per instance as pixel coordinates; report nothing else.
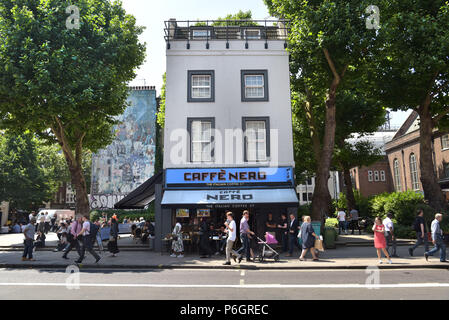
(225, 284)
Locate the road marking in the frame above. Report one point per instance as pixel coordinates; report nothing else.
(247, 286)
(242, 273)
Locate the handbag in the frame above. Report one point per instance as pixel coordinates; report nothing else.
(319, 245)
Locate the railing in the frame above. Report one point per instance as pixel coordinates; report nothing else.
(226, 30)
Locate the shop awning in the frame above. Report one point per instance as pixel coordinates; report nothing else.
(141, 196)
(214, 198)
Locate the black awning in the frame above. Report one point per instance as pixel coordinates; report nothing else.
(142, 195)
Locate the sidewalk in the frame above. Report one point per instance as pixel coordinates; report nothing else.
(342, 258)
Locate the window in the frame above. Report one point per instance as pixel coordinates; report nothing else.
(445, 141)
(414, 172)
(382, 175)
(200, 34)
(254, 85)
(201, 139)
(370, 176)
(200, 86)
(304, 197)
(446, 170)
(376, 175)
(251, 34)
(309, 181)
(397, 175)
(257, 144)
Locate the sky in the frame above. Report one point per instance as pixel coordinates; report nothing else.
(152, 14)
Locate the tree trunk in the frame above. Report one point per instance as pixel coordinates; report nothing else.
(320, 200)
(432, 190)
(79, 182)
(350, 199)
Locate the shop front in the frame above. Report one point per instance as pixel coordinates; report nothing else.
(192, 194)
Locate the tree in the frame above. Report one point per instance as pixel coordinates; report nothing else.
(413, 73)
(329, 44)
(63, 81)
(231, 20)
(23, 179)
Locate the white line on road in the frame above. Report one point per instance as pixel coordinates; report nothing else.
(246, 286)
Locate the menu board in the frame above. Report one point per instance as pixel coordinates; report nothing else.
(182, 213)
(203, 213)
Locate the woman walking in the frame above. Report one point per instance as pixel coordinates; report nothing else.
(177, 244)
(380, 242)
(308, 237)
(113, 237)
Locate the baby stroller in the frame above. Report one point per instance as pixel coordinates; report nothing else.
(265, 250)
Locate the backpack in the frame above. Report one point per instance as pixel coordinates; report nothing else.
(93, 230)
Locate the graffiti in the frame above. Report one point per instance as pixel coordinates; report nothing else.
(129, 160)
(104, 201)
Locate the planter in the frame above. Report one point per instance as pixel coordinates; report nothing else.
(330, 235)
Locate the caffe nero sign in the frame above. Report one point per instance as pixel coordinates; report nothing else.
(211, 177)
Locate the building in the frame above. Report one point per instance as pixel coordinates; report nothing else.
(129, 160)
(404, 154)
(305, 190)
(228, 128)
(376, 178)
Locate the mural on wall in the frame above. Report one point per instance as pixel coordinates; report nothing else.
(129, 160)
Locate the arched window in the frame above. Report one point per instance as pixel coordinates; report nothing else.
(414, 172)
(397, 175)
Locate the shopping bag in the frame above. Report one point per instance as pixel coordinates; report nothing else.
(319, 245)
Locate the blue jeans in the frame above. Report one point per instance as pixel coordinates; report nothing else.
(342, 226)
(28, 250)
(244, 250)
(439, 245)
(420, 241)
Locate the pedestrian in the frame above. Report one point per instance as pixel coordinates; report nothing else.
(28, 243)
(113, 237)
(341, 216)
(437, 239)
(88, 237)
(244, 232)
(308, 237)
(31, 215)
(421, 232)
(204, 246)
(379, 239)
(389, 234)
(292, 234)
(53, 226)
(231, 230)
(354, 220)
(283, 226)
(72, 237)
(47, 220)
(177, 244)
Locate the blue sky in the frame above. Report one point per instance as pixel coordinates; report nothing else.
(153, 13)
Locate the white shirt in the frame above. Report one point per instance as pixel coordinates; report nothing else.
(232, 234)
(341, 216)
(388, 224)
(86, 226)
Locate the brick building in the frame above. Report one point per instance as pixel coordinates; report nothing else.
(404, 154)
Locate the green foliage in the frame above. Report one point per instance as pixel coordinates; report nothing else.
(303, 210)
(231, 20)
(403, 205)
(121, 214)
(362, 203)
(331, 223)
(161, 112)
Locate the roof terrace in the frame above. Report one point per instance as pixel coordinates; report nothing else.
(226, 30)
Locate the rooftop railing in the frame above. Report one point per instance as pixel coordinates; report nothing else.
(226, 30)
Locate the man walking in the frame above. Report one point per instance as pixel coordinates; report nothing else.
(28, 232)
(87, 241)
(244, 231)
(354, 216)
(72, 237)
(421, 232)
(341, 215)
(292, 234)
(437, 239)
(232, 234)
(389, 234)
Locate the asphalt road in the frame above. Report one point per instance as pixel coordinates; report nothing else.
(177, 284)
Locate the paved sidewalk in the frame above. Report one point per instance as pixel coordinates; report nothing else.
(342, 258)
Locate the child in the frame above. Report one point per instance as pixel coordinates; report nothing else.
(380, 242)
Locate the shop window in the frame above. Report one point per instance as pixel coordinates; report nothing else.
(201, 139)
(256, 136)
(254, 85)
(201, 86)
